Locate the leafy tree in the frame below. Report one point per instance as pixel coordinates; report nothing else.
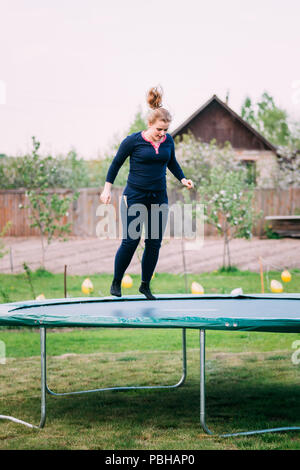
(72, 171)
(197, 158)
(139, 122)
(268, 119)
(68, 171)
(289, 167)
(5, 229)
(47, 208)
(275, 125)
(227, 204)
(220, 185)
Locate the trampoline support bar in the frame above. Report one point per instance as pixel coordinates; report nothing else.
(134, 387)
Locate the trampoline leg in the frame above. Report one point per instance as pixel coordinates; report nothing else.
(43, 377)
(202, 401)
(202, 382)
(43, 388)
(136, 387)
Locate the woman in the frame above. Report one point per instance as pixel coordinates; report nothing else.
(151, 152)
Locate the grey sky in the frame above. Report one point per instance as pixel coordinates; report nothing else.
(76, 71)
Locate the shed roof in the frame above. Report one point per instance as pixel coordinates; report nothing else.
(215, 98)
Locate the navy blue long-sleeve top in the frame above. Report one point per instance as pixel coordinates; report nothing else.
(148, 163)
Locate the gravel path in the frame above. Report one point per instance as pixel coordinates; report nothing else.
(92, 255)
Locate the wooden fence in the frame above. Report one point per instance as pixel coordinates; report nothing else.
(84, 218)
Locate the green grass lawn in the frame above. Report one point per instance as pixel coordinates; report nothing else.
(251, 380)
(17, 287)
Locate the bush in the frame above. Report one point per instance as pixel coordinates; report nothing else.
(68, 171)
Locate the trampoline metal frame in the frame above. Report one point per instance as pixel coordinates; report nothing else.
(45, 389)
(202, 401)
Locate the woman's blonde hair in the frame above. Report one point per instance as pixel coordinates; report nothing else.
(154, 100)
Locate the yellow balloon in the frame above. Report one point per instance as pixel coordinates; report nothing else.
(276, 286)
(196, 288)
(237, 291)
(40, 297)
(87, 286)
(286, 276)
(127, 281)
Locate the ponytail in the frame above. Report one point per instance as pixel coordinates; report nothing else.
(154, 101)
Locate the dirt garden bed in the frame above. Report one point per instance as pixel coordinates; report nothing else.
(93, 255)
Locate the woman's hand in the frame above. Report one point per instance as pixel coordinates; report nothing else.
(105, 196)
(188, 183)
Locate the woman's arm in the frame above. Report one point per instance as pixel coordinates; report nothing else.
(175, 168)
(123, 152)
(105, 196)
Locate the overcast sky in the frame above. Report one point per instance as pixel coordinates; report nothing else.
(74, 72)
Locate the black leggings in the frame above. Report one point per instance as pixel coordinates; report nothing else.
(139, 208)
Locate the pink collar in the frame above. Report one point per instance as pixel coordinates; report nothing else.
(156, 146)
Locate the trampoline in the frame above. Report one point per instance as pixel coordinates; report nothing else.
(259, 312)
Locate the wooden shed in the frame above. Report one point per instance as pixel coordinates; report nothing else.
(216, 120)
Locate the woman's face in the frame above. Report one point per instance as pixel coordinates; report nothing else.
(158, 130)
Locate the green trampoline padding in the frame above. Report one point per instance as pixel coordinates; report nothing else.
(257, 312)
